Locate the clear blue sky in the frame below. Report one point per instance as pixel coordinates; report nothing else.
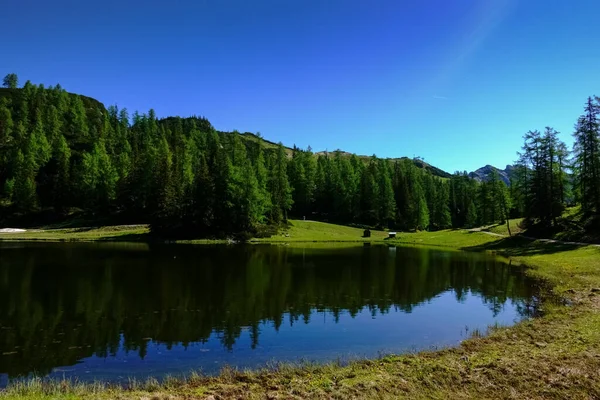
(456, 82)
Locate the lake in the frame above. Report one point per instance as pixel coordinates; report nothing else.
(112, 311)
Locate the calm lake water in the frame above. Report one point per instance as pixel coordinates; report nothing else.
(112, 311)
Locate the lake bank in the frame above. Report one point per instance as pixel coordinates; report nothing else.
(555, 356)
(297, 231)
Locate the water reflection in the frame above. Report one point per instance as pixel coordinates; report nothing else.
(63, 303)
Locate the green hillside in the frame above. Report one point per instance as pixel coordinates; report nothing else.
(68, 156)
(94, 106)
(15, 95)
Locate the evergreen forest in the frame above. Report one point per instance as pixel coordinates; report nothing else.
(63, 154)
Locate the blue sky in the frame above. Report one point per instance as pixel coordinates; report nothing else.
(455, 82)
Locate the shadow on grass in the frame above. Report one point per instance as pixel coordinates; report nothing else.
(130, 237)
(85, 229)
(518, 246)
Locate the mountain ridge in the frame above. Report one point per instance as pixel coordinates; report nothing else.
(483, 173)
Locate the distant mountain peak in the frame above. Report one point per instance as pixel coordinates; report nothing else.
(483, 173)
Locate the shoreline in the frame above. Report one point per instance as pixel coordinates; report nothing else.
(555, 355)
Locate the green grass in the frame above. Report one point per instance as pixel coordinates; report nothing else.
(501, 229)
(297, 231)
(446, 238)
(555, 356)
(313, 231)
(104, 233)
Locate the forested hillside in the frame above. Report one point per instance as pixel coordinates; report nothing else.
(61, 153)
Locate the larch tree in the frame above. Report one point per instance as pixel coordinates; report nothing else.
(587, 157)
(386, 203)
(10, 81)
(279, 186)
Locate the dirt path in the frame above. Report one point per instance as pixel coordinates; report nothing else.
(533, 238)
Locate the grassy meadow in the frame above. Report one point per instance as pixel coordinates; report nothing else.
(297, 231)
(82, 234)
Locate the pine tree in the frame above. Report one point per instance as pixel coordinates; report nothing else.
(349, 190)
(223, 205)
(498, 201)
(6, 141)
(24, 188)
(202, 211)
(10, 81)
(279, 187)
(39, 145)
(244, 189)
(251, 211)
(472, 217)
(123, 151)
(301, 172)
(98, 177)
(262, 178)
(386, 202)
(430, 191)
(369, 193)
(169, 207)
(587, 158)
(339, 195)
(6, 125)
(76, 129)
(61, 187)
(422, 213)
(418, 211)
(543, 176)
(484, 202)
(53, 125)
(443, 217)
(402, 195)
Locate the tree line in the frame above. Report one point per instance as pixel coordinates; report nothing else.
(61, 152)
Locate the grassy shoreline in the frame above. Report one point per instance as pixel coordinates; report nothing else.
(298, 231)
(554, 356)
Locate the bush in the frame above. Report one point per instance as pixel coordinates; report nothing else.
(266, 231)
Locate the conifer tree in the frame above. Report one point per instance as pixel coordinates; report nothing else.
(202, 211)
(301, 171)
(262, 178)
(472, 218)
(349, 189)
(401, 195)
(24, 188)
(39, 146)
(422, 213)
(76, 129)
(279, 187)
(587, 157)
(61, 187)
(168, 200)
(250, 208)
(10, 81)
(369, 193)
(223, 206)
(443, 217)
(386, 202)
(542, 180)
(6, 141)
(6, 125)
